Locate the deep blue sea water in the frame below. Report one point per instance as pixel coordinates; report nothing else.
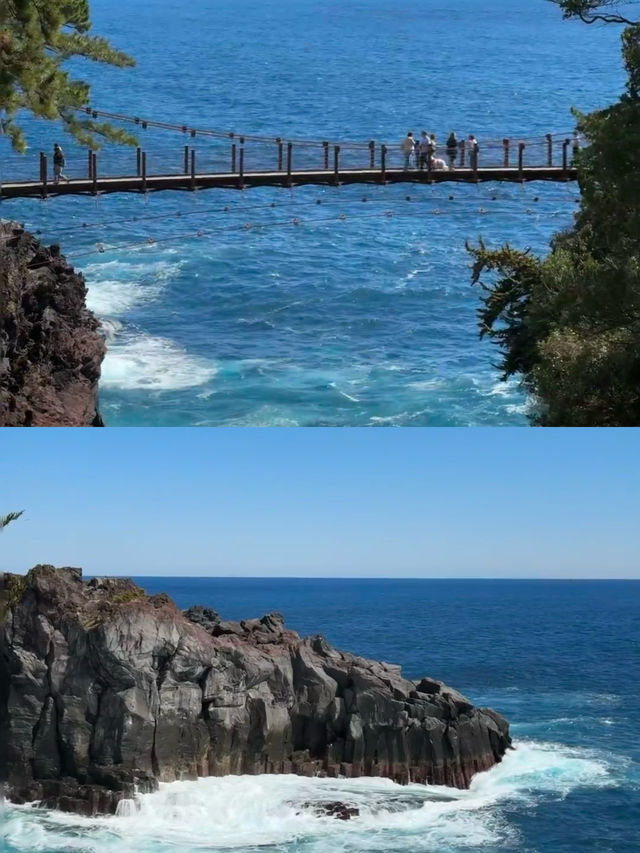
(361, 321)
(561, 660)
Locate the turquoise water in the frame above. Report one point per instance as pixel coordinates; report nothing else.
(360, 321)
(560, 659)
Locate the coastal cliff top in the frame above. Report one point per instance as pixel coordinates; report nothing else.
(65, 598)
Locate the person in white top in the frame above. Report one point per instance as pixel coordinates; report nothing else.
(576, 144)
(407, 146)
(473, 146)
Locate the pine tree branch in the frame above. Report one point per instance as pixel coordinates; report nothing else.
(606, 19)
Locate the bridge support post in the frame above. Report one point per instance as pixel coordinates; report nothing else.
(336, 164)
(505, 146)
(241, 175)
(138, 161)
(325, 146)
(89, 163)
(521, 147)
(233, 158)
(549, 150)
(372, 154)
(94, 172)
(43, 174)
(463, 147)
(289, 162)
(279, 143)
(143, 170)
(383, 163)
(186, 160)
(473, 156)
(193, 171)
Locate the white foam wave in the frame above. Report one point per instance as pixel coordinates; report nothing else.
(154, 364)
(244, 812)
(344, 394)
(426, 384)
(111, 297)
(117, 286)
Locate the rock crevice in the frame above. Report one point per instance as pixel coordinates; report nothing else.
(105, 690)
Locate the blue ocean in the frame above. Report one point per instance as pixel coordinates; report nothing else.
(218, 309)
(560, 659)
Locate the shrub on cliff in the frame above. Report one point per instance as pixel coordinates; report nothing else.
(36, 40)
(569, 324)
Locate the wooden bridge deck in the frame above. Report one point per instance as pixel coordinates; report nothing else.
(236, 180)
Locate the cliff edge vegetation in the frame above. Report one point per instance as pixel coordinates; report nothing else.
(569, 324)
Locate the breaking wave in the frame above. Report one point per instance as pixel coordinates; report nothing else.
(242, 813)
(152, 363)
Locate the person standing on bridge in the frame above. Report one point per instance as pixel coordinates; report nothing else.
(58, 164)
(422, 150)
(474, 148)
(452, 149)
(407, 146)
(576, 144)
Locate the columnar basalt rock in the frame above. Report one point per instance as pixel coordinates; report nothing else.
(104, 690)
(50, 348)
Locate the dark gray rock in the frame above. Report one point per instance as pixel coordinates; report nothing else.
(51, 350)
(104, 689)
(203, 616)
(341, 811)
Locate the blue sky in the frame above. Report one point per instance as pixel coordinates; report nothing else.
(313, 502)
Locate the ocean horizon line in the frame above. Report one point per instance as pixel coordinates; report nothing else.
(526, 579)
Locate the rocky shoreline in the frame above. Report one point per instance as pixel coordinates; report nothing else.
(105, 691)
(51, 349)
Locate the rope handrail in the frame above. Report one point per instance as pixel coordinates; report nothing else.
(248, 137)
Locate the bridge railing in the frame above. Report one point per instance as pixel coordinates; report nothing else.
(163, 154)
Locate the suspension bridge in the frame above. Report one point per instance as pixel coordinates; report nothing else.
(207, 159)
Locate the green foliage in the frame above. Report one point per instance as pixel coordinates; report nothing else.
(11, 591)
(7, 519)
(37, 37)
(127, 595)
(14, 588)
(569, 325)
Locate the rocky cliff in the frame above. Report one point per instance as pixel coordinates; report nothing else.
(103, 689)
(50, 348)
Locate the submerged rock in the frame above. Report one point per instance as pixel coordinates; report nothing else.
(105, 690)
(339, 810)
(50, 347)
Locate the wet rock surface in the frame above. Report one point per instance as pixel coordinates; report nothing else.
(339, 810)
(105, 690)
(50, 348)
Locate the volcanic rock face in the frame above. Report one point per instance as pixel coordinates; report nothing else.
(103, 689)
(50, 349)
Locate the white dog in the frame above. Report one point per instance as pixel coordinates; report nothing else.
(438, 164)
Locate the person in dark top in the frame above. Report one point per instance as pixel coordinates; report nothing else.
(58, 164)
(452, 149)
(423, 150)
